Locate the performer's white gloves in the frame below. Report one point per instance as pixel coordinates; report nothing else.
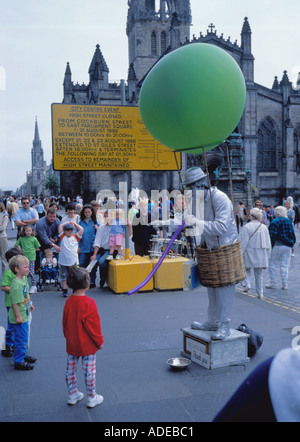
(198, 224)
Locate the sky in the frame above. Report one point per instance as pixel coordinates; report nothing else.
(37, 39)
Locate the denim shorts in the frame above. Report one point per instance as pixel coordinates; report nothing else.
(64, 270)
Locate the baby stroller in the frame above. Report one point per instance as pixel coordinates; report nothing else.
(48, 279)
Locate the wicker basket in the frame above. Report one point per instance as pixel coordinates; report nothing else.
(222, 266)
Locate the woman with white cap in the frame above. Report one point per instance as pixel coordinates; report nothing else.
(256, 248)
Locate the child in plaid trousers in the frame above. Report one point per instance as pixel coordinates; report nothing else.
(82, 330)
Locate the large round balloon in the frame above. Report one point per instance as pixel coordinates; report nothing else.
(193, 97)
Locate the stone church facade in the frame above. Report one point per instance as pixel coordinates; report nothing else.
(269, 151)
(36, 176)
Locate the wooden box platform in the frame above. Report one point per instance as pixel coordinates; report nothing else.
(200, 348)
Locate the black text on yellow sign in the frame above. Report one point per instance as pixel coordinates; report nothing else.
(94, 137)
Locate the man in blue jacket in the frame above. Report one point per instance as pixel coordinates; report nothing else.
(283, 238)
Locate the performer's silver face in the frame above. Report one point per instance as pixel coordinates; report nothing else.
(198, 190)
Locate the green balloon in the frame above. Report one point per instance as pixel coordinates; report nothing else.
(193, 97)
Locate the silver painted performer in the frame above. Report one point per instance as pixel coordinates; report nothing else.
(217, 229)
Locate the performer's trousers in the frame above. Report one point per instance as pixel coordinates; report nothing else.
(220, 302)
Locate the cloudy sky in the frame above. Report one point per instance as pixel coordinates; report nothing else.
(38, 38)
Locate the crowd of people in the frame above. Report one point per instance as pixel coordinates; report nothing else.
(90, 236)
(268, 239)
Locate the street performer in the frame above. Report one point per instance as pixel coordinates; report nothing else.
(217, 228)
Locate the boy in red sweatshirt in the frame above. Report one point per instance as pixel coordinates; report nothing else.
(82, 330)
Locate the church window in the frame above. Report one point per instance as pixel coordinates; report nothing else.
(163, 41)
(297, 148)
(267, 143)
(153, 43)
(150, 4)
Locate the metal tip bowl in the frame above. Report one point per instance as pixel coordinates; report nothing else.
(178, 363)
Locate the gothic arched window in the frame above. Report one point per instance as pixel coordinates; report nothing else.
(297, 148)
(267, 145)
(163, 42)
(150, 4)
(153, 43)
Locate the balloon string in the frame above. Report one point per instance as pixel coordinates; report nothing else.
(178, 170)
(156, 267)
(192, 245)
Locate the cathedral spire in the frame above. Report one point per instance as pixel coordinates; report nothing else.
(37, 144)
(98, 59)
(37, 161)
(275, 84)
(247, 59)
(68, 85)
(246, 37)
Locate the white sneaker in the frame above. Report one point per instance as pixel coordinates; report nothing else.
(96, 400)
(284, 287)
(109, 258)
(74, 398)
(118, 257)
(270, 286)
(33, 289)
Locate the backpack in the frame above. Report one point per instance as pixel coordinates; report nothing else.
(255, 339)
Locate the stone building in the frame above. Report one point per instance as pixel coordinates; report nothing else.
(269, 154)
(35, 178)
(38, 165)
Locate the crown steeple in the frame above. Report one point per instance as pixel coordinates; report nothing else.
(164, 24)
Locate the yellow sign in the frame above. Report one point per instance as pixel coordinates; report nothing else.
(95, 137)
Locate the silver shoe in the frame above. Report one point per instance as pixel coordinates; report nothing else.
(222, 332)
(208, 326)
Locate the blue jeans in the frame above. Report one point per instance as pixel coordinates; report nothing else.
(50, 273)
(20, 341)
(103, 264)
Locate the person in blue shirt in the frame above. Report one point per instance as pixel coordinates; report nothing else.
(283, 238)
(25, 215)
(88, 222)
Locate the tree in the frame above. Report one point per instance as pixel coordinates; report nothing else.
(52, 185)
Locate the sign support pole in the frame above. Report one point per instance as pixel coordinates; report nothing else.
(125, 184)
(124, 198)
